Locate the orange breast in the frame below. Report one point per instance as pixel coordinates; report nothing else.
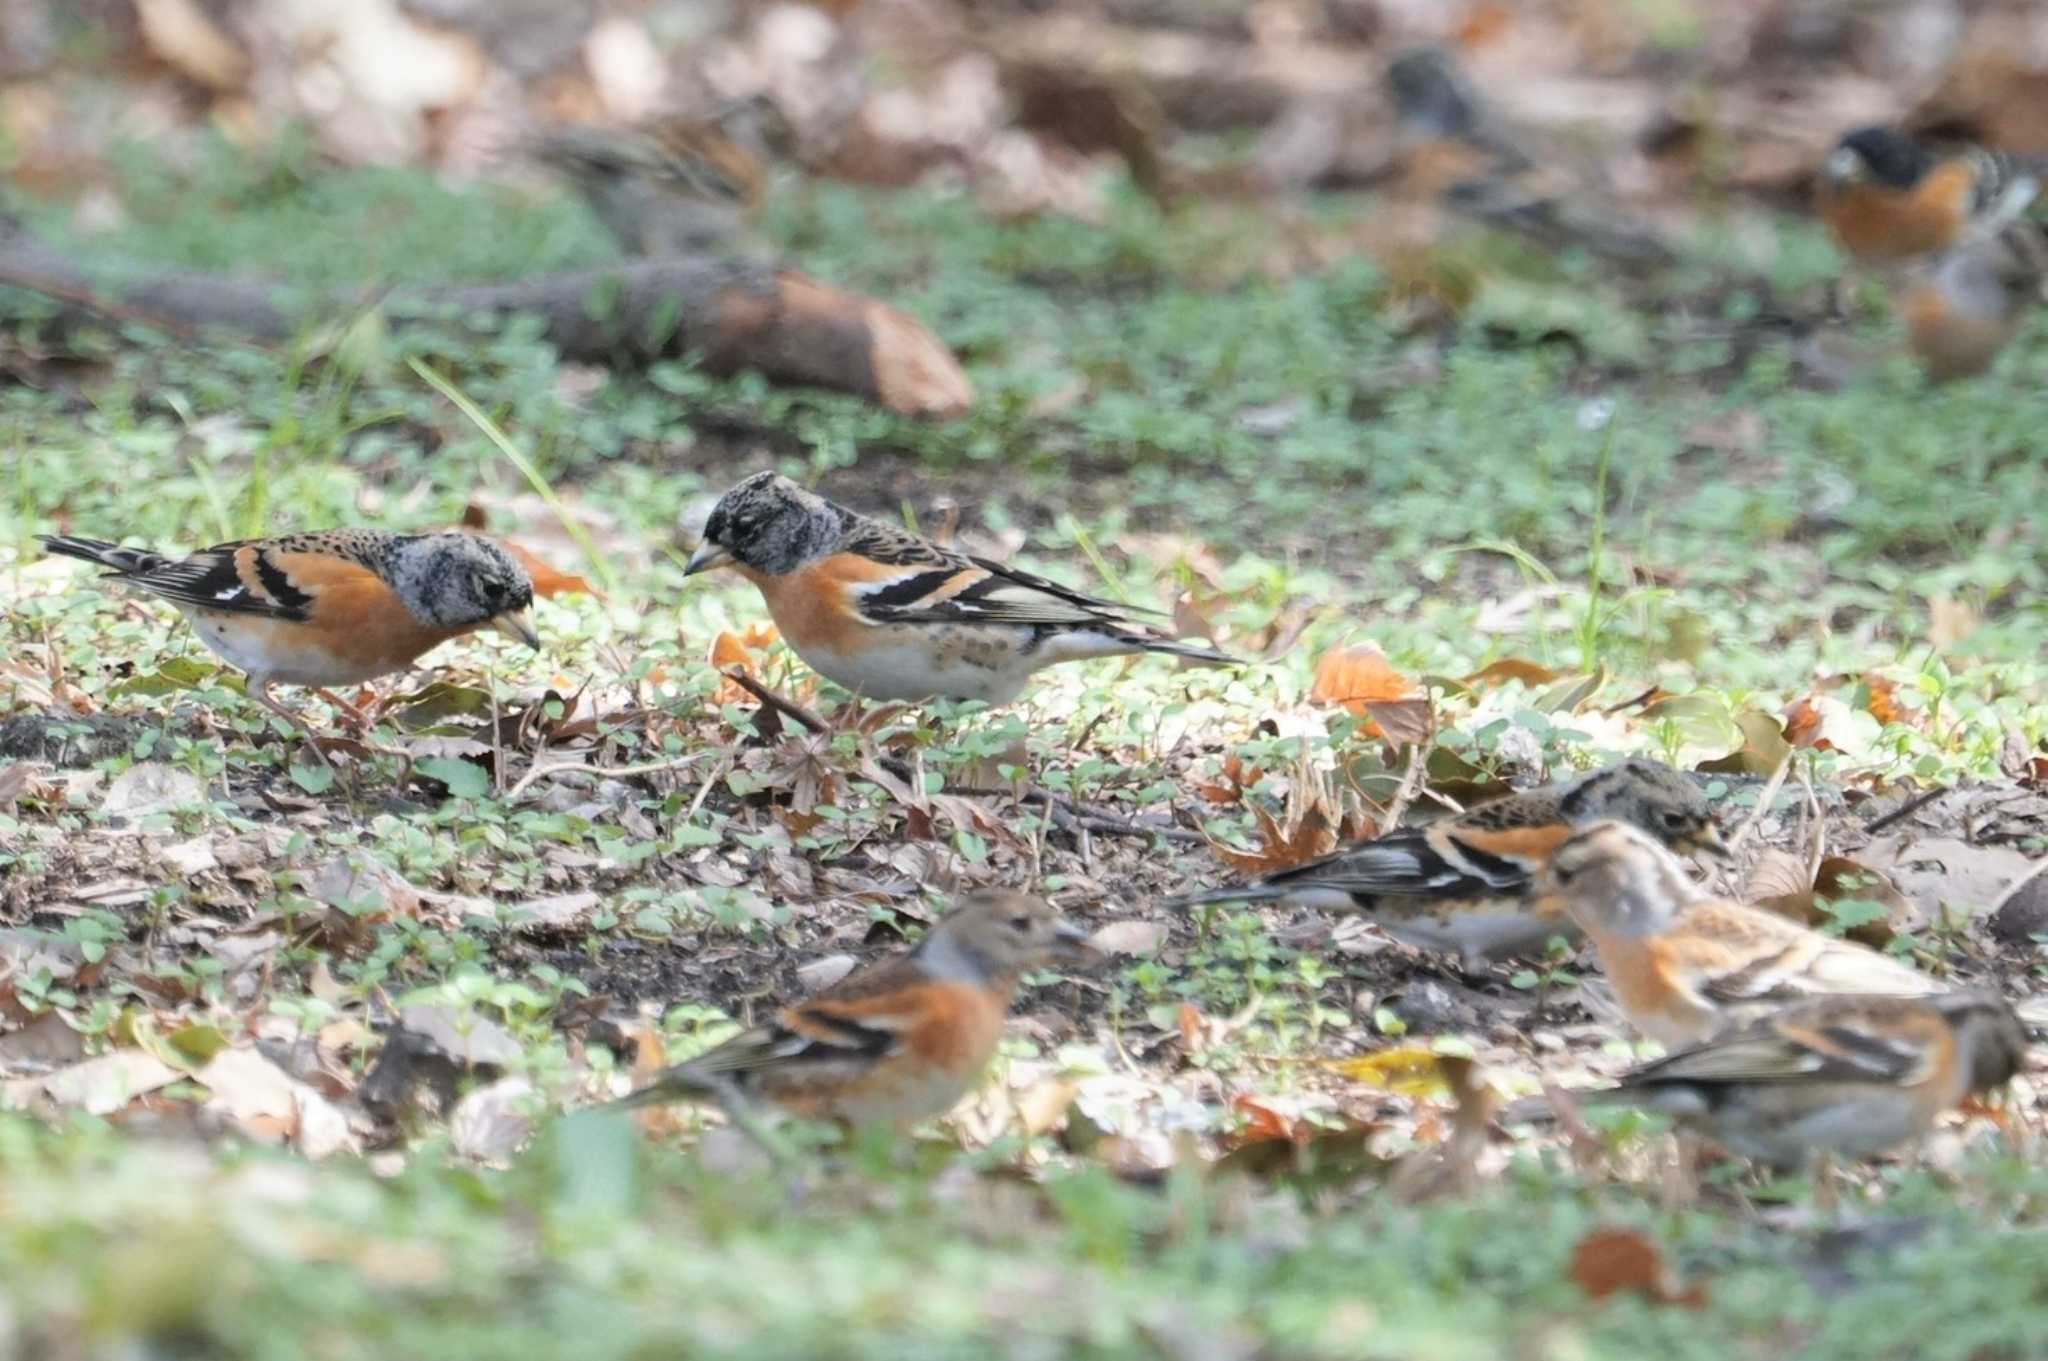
(812, 607)
(1875, 223)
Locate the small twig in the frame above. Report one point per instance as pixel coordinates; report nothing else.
(1904, 810)
(1820, 824)
(1411, 781)
(540, 772)
(1762, 805)
(497, 736)
(788, 708)
(1083, 816)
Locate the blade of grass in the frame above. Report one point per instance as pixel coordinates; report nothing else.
(1589, 628)
(1086, 542)
(534, 477)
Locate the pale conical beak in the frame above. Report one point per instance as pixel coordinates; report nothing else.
(1708, 839)
(707, 556)
(515, 625)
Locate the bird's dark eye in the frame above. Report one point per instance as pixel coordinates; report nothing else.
(1562, 873)
(1020, 924)
(1674, 820)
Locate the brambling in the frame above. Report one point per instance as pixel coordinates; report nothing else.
(327, 607)
(1965, 305)
(1449, 143)
(1686, 965)
(894, 1043)
(1460, 885)
(895, 617)
(678, 183)
(1888, 198)
(1832, 1075)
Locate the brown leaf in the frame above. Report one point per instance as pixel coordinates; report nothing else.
(1802, 724)
(1763, 750)
(1044, 1104)
(1883, 701)
(1283, 847)
(1777, 874)
(1353, 677)
(1609, 1261)
(1531, 674)
(1403, 722)
(1262, 1121)
(548, 579)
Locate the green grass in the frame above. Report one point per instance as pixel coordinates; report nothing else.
(1155, 409)
(596, 1245)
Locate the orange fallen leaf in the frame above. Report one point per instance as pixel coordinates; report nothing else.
(1262, 1121)
(1802, 724)
(1362, 681)
(729, 650)
(1610, 1261)
(548, 580)
(1531, 674)
(1883, 701)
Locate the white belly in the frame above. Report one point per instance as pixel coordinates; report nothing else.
(265, 655)
(956, 661)
(914, 670)
(1477, 936)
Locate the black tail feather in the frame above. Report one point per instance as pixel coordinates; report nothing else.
(123, 561)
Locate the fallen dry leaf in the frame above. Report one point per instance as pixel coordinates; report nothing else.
(1530, 674)
(1360, 677)
(820, 974)
(1044, 1104)
(548, 579)
(1263, 1120)
(1609, 1261)
(1411, 1070)
(1129, 938)
(151, 787)
(103, 1085)
(490, 1123)
(1883, 701)
(1283, 846)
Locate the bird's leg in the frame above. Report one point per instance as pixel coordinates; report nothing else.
(1681, 1177)
(748, 1119)
(1827, 1198)
(259, 689)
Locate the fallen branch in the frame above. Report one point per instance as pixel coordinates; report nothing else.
(730, 314)
(1904, 811)
(788, 708)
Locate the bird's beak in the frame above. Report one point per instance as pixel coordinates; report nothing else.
(1708, 839)
(515, 625)
(1070, 945)
(707, 556)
